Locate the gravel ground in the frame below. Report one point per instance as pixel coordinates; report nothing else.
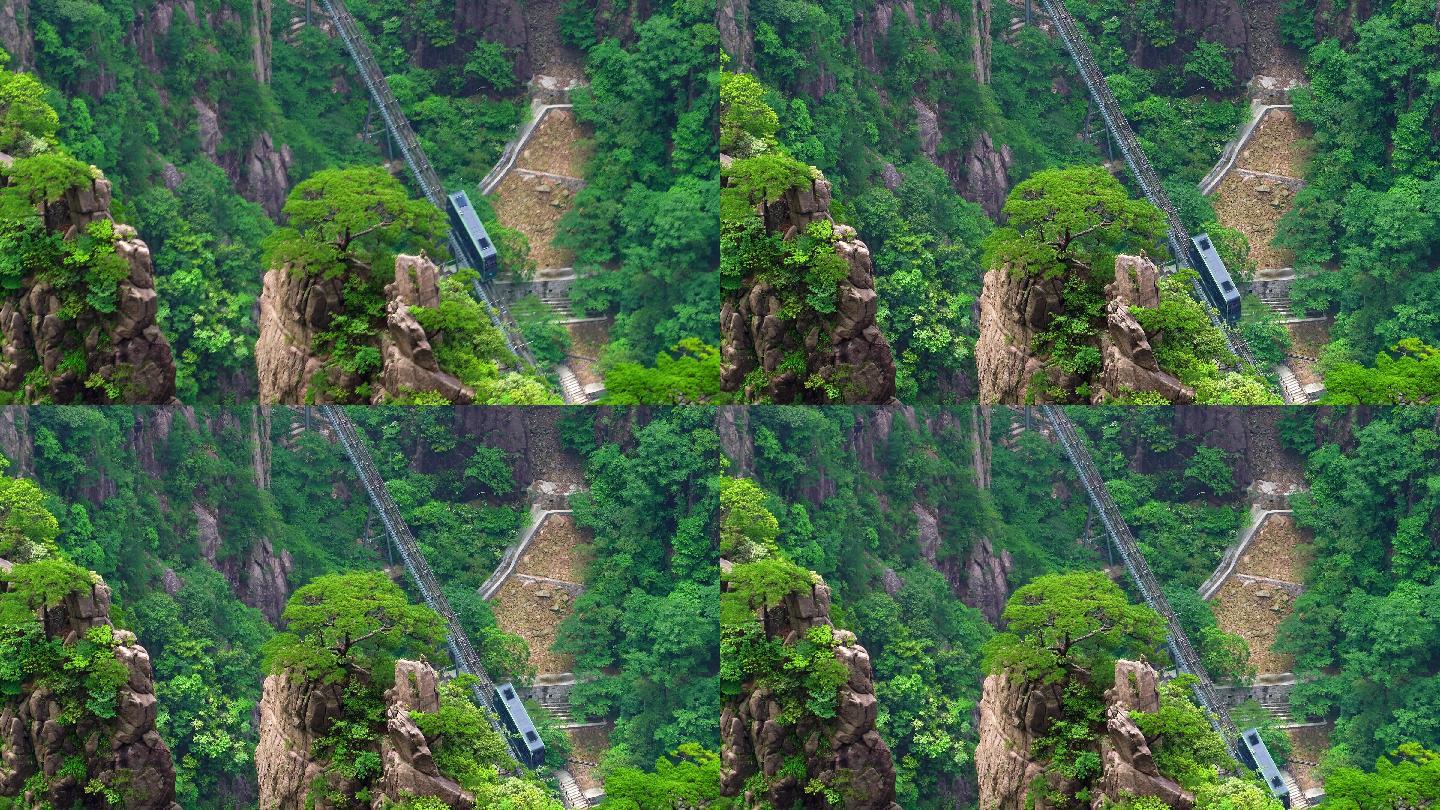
(1239, 204)
(520, 203)
(589, 743)
(1268, 459)
(1280, 550)
(1309, 743)
(1308, 338)
(548, 459)
(549, 55)
(557, 146)
(1239, 611)
(1274, 146)
(520, 610)
(1267, 56)
(560, 550)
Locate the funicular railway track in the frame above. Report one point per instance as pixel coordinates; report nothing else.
(424, 173)
(461, 651)
(1118, 126)
(1186, 659)
(1246, 748)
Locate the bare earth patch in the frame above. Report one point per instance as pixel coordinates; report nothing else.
(1240, 611)
(1273, 147)
(548, 459)
(533, 206)
(1307, 745)
(1308, 338)
(1253, 206)
(1280, 550)
(559, 550)
(586, 341)
(534, 611)
(557, 146)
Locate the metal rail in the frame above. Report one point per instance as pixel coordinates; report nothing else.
(464, 655)
(1176, 234)
(1184, 655)
(424, 173)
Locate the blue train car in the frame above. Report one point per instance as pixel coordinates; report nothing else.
(513, 714)
(1219, 287)
(1258, 756)
(474, 241)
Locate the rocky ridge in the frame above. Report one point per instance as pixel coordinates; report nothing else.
(294, 713)
(1014, 309)
(1015, 713)
(295, 307)
(844, 752)
(845, 348)
(125, 750)
(125, 348)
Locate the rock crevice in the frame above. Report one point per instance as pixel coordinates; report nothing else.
(296, 307)
(294, 713)
(1015, 713)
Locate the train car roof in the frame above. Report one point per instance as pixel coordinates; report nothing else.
(1215, 265)
(1264, 763)
(518, 714)
(460, 201)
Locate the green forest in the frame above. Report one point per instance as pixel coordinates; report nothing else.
(183, 512)
(852, 114)
(908, 112)
(902, 512)
(1366, 227)
(193, 115)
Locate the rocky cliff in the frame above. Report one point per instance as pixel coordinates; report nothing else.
(294, 713)
(845, 348)
(1016, 309)
(123, 348)
(1014, 714)
(124, 752)
(844, 752)
(296, 307)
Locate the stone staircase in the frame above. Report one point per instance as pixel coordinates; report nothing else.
(1297, 796)
(560, 710)
(570, 791)
(570, 387)
(1279, 303)
(1278, 709)
(1290, 387)
(560, 303)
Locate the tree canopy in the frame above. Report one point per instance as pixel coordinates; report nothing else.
(342, 625)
